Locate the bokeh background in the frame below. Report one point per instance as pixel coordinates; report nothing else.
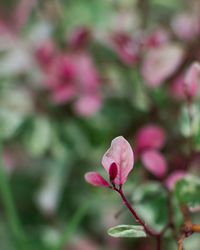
(74, 74)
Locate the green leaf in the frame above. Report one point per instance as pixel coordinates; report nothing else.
(38, 140)
(127, 231)
(187, 191)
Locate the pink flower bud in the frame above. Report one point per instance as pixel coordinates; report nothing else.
(113, 171)
(150, 137)
(96, 179)
(192, 80)
(173, 178)
(154, 162)
(121, 154)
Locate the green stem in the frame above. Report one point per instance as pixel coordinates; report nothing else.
(9, 207)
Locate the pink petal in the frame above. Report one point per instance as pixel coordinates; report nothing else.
(79, 38)
(96, 179)
(121, 153)
(62, 94)
(157, 38)
(185, 26)
(150, 136)
(160, 63)
(126, 48)
(88, 105)
(192, 79)
(86, 73)
(173, 178)
(177, 89)
(154, 162)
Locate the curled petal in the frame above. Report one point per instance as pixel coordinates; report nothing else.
(150, 136)
(173, 178)
(96, 179)
(192, 79)
(154, 162)
(121, 154)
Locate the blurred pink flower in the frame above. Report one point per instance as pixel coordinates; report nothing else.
(177, 89)
(79, 38)
(45, 53)
(154, 162)
(86, 73)
(186, 26)
(126, 48)
(60, 79)
(173, 178)
(157, 38)
(149, 140)
(119, 155)
(87, 105)
(160, 63)
(150, 136)
(22, 12)
(192, 80)
(71, 76)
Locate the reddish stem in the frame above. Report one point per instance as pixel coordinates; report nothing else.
(149, 231)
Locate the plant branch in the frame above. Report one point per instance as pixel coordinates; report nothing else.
(149, 231)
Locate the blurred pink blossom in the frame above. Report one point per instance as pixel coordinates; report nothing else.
(177, 89)
(160, 63)
(157, 38)
(45, 53)
(87, 105)
(79, 38)
(154, 162)
(150, 136)
(126, 47)
(186, 26)
(70, 77)
(192, 80)
(173, 178)
(149, 140)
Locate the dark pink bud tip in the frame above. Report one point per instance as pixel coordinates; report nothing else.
(113, 171)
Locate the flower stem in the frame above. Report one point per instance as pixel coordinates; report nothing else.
(9, 207)
(148, 231)
(134, 213)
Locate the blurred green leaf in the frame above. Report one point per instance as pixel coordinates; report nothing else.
(38, 139)
(187, 191)
(150, 200)
(127, 231)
